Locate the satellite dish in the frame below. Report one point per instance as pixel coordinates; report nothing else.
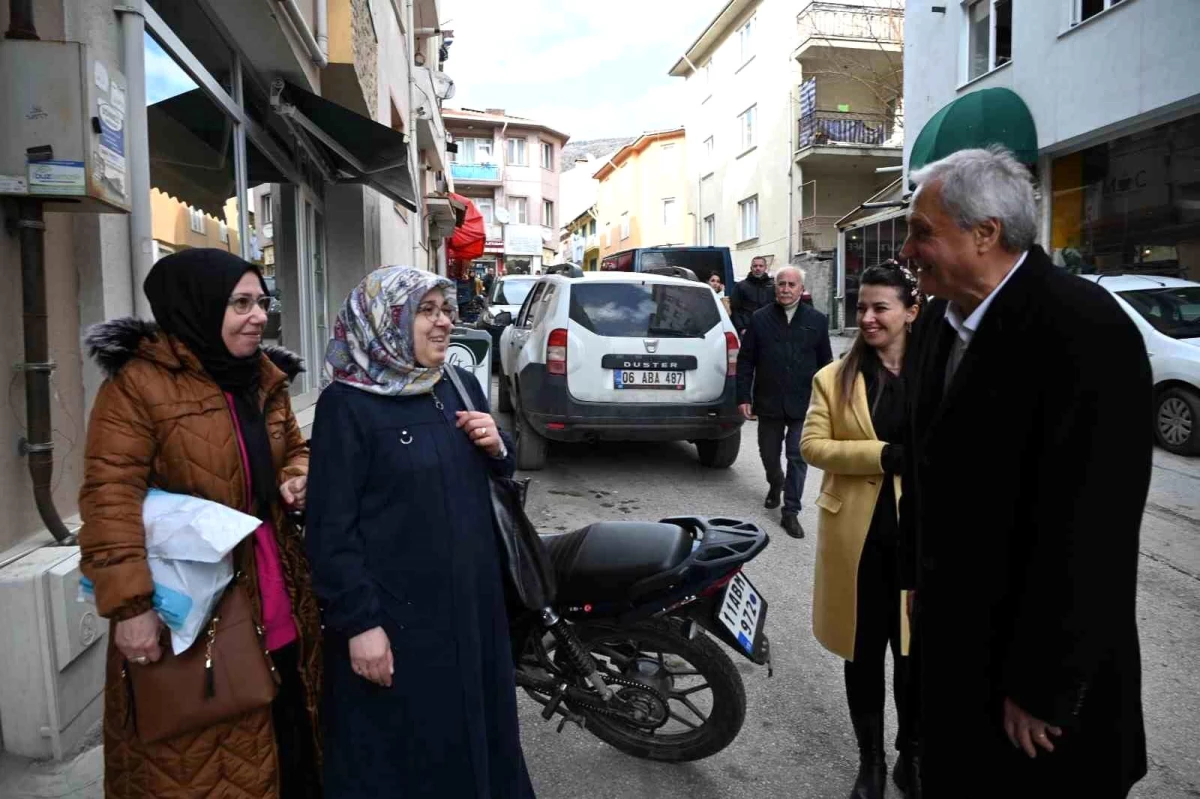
(502, 215)
(443, 86)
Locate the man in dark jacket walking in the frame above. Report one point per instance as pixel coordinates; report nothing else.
(747, 296)
(783, 346)
(1028, 468)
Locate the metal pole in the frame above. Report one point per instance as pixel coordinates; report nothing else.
(38, 446)
(141, 236)
(239, 166)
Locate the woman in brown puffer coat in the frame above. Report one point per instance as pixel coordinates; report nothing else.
(194, 405)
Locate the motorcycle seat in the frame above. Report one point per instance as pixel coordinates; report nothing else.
(602, 561)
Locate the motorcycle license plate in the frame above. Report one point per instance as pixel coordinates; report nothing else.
(743, 612)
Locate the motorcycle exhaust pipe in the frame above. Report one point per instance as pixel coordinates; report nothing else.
(579, 657)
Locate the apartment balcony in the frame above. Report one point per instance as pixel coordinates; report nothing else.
(827, 138)
(824, 26)
(476, 174)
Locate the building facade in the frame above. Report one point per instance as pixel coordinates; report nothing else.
(1111, 86)
(643, 195)
(508, 166)
(791, 110)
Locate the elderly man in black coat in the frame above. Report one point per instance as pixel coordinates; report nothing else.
(1028, 469)
(783, 346)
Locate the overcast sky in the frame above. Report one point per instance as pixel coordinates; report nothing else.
(591, 70)
(593, 75)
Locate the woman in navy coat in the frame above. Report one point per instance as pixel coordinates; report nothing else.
(419, 693)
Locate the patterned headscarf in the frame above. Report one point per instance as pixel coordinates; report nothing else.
(372, 344)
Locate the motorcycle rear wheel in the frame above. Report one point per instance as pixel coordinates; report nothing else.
(691, 733)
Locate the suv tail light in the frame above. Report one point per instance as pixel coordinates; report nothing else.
(732, 347)
(556, 352)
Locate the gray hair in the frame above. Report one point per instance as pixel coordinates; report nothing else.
(978, 185)
(800, 273)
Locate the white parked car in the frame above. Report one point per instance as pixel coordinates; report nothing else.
(1167, 312)
(621, 357)
(507, 295)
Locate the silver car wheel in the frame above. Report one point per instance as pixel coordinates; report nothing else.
(1175, 421)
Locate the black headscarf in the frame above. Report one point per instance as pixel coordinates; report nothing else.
(189, 293)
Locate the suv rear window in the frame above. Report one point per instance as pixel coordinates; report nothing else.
(511, 292)
(644, 310)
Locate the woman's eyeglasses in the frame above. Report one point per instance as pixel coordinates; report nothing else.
(431, 311)
(243, 304)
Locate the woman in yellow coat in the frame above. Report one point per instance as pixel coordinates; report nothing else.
(855, 421)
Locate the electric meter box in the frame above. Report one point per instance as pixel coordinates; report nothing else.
(62, 127)
(53, 658)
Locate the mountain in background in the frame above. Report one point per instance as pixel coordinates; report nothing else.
(593, 147)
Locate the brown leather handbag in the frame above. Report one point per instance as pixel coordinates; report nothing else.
(225, 673)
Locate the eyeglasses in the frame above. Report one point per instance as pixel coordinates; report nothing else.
(243, 304)
(431, 311)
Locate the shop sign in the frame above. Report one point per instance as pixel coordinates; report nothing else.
(523, 240)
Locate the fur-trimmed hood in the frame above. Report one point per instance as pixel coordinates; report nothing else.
(113, 344)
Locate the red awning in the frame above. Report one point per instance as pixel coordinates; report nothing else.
(467, 242)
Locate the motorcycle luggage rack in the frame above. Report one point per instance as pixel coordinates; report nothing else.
(722, 543)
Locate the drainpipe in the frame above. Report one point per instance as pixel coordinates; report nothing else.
(141, 241)
(319, 55)
(38, 445)
(419, 230)
(791, 251)
(323, 28)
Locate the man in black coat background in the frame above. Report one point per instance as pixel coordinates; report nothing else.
(1028, 468)
(785, 343)
(746, 296)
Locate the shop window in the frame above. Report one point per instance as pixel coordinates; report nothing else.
(1130, 204)
(748, 212)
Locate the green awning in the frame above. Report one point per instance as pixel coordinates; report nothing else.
(978, 119)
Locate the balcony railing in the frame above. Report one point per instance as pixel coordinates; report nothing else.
(840, 127)
(483, 172)
(836, 21)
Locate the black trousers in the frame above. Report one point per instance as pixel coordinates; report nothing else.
(782, 436)
(298, 774)
(878, 626)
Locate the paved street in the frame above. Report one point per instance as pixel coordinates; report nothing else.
(797, 740)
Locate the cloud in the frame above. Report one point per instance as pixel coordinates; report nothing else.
(164, 78)
(599, 73)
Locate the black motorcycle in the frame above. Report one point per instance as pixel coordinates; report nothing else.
(625, 650)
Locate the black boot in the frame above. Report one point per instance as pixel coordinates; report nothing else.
(791, 524)
(774, 490)
(907, 772)
(872, 765)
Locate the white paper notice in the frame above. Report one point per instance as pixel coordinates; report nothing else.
(13, 184)
(101, 77)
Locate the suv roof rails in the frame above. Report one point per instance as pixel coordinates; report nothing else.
(566, 270)
(673, 271)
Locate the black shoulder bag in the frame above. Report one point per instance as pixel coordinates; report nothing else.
(529, 568)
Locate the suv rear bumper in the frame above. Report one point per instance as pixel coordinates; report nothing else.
(550, 408)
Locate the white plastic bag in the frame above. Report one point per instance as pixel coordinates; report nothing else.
(188, 546)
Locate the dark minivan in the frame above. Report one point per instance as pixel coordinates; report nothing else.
(703, 261)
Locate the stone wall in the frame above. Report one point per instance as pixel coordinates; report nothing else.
(366, 51)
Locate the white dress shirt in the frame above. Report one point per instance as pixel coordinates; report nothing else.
(965, 328)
